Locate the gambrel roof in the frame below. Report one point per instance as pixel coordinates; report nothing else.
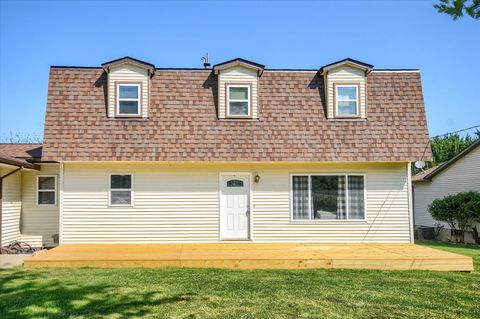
(182, 123)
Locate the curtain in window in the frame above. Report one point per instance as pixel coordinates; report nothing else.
(341, 207)
(356, 205)
(300, 197)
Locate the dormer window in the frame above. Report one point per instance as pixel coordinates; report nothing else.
(238, 89)
(238, 100)
(346, 100)
(128, 99)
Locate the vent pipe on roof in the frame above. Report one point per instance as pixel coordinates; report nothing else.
(206, 62)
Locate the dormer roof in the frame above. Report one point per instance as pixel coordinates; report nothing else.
(239, 62)
(129, 60)
(347, 62)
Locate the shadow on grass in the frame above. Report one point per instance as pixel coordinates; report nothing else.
(26, 295)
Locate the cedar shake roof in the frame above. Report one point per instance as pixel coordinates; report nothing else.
(19, 154)
(183, 123)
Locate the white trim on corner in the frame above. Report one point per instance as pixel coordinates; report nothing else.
(55, 190)
(250, 205)
(328, 221)
(132, 197)
(410, 202)
(60, 204)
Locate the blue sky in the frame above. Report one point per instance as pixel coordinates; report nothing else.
(402, 34)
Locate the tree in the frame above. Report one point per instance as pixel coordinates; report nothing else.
(446, 147)
(456, 8)
(460, 211)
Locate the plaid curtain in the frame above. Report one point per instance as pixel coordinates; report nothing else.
(341, 207)
(356, 205)
(300, 197)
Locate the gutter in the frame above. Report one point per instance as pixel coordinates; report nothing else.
(17, 163)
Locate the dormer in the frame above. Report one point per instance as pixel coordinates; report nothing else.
(128, 87)
(238, 88)
(345, 89)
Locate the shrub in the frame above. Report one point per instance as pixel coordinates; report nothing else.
(461, 210)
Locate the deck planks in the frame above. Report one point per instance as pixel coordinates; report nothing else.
(237, 255)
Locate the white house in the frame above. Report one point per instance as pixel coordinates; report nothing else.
(459, 174)
(138, 154)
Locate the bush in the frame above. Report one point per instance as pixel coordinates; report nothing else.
(461, 210)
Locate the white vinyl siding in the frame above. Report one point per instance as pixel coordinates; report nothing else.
(346, 75)
(237, 75)
(180, 203)
(11, 206)
(127, 73)
(39, 222)
(461, 176)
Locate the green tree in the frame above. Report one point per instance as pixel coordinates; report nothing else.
(456, 8)
(460, 211)
(446, 147)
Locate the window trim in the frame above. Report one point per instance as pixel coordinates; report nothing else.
(336, 100)
(120, 189)
(227, 99)
(117, 98)
(47, 190)
(320, 221)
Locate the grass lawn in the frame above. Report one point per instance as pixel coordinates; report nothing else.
(211, 293)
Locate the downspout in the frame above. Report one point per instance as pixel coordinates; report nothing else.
(1, 199)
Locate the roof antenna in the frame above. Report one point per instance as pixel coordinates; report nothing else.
(206, 63)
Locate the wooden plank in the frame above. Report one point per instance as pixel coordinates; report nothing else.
(253, 256)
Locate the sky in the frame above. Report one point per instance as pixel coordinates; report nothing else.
(388, 34)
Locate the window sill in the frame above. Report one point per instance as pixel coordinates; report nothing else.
(129, 118)
(327, 221)
(347, 119)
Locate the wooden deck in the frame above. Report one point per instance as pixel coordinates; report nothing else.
(253, 256)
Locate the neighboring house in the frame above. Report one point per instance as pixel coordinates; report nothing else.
(138, 154)
(459, 174)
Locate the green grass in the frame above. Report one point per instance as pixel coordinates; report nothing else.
(211, 293)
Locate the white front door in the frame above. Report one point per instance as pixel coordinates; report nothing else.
(234, 206)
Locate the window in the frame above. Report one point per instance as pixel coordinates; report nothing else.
(346, 97)
(238, 97)
(234, 183)
(46, 190)
(121, 189)
(327, 197)
(128, 99)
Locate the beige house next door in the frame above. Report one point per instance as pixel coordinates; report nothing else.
(234, 206)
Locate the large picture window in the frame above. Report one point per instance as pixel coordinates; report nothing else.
(328, 197)
(46, 190)
(121, 189)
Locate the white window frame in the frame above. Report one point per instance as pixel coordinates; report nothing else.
(47, 190)
(138, 99)
(347, 209)
(120, 189)
(236, 100)
(357, 100)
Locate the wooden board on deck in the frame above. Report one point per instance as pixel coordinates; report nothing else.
(237, 255)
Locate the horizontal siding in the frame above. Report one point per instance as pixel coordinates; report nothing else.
(237, 75)
(462, 176)
(346, 75)
(11, 206)
(39, 223)
(127, 73)
(180, 204)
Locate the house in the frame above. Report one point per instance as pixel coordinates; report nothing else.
(133, 153)
(459, 174)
